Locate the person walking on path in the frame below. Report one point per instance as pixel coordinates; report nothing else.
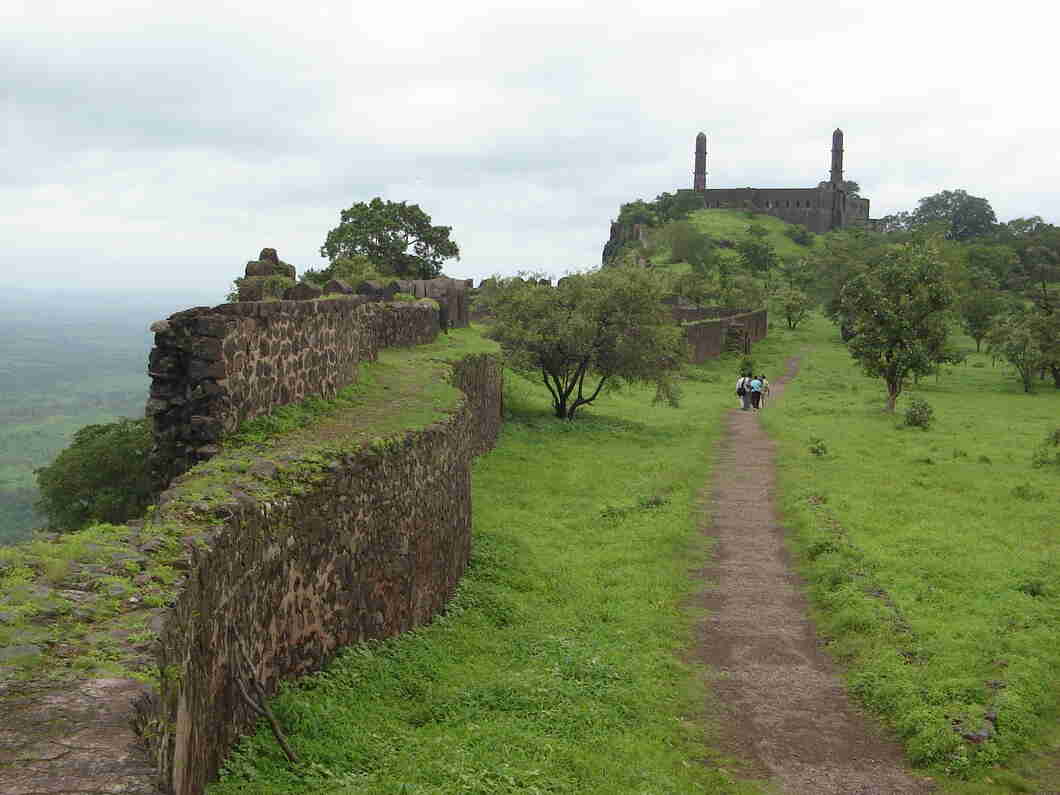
(743, 391)
(756, 393)
(764, 391)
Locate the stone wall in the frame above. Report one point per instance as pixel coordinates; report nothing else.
(214, 368)
(372, 546)
(708, 339)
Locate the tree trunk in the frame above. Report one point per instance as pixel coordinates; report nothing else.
(1056, 375)
(894, 389)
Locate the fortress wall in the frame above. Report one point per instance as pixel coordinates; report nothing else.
(707, 339)
(214, 368)
(372, 545)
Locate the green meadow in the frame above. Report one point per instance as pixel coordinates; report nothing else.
(931, 556)
(558, 666)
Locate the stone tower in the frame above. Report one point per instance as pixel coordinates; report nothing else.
(699, 176)
(837, 157)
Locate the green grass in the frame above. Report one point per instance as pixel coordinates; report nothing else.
(932, 556)
(558, 667)
(732, 225)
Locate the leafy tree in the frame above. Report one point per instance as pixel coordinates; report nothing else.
(593, 330)
(638, 212)
(398, 237)
(757, 231)
(794, 304)
(964, 216)
(677, 206)
(756, 255)
(996, 259)
(894, 307)
(799, 234)
(839, 257)
(978, 308)
(852, 188)
(895, 223)
(688, 244)
(102, 476)
(1015, 338)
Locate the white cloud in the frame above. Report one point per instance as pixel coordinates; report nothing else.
(150, 143)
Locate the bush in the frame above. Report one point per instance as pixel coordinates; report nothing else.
(818, 447)
(799, 234)
(1047, 453)
(101, 477)
(404, 297)
(919, 414)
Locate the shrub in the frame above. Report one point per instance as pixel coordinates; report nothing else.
(799, 234)
(101, 477)
(919, 414)
(404, 297)
(818, 447)
(1047, 454)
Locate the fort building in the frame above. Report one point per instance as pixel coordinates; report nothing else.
(821, 209)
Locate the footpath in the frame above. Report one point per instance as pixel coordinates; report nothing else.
(783, 709)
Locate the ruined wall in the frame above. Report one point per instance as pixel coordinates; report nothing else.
(373, 545)
(708, 339)
(214, 368)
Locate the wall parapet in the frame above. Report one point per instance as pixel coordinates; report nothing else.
(214, 368)
(709, 338)
(366, 544)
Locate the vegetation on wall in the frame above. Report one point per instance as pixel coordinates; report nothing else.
(397, 237)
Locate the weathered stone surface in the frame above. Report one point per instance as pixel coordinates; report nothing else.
(269, 354)
(57, 741)
(338, 286)
(302, 292)
(372, 548)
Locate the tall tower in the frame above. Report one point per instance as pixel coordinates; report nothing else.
(699, 176)
(837, 157)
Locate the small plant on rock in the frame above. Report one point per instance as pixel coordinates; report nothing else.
(919, 414)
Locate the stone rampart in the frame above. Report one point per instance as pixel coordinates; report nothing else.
(371, 544)
(214, 368)
(708, 339)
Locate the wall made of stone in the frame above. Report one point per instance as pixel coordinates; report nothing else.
(371, 546)
(214, 368)
(708, 339)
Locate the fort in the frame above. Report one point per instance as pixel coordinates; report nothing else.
(824, 208)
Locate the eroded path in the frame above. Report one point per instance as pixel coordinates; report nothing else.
(783, 707)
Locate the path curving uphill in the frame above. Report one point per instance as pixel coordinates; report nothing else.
(783, 707)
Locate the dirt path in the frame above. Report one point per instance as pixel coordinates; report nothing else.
(783, 707)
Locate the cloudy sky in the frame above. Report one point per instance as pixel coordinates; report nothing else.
(164, 144)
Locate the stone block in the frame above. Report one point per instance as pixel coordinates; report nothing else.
(338, 286)
(302, 292)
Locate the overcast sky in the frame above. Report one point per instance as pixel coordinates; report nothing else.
(164, 144)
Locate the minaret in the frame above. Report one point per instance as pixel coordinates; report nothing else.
(837, 157)
(699, 176)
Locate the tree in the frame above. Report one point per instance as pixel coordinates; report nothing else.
(893, 307)
(352, 270)
(964, 216)
(1014, 338)
(852, 188)
(102, 476)
(977, 309)
(794, 304)
(757, 255)
(604, 327)
(396, 236)
(688, 244)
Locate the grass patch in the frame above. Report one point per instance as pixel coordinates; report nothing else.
(558, 665)
(931, 555)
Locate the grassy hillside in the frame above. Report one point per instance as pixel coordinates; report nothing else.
(558, 667)
(933, 556)
(732, 225)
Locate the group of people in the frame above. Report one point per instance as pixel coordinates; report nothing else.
(752, 391)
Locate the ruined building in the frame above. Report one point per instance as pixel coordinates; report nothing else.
(820, 209)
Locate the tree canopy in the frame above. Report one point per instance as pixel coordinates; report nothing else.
(397, 237)
(961, 215)
(895, 308)
(592, 331)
